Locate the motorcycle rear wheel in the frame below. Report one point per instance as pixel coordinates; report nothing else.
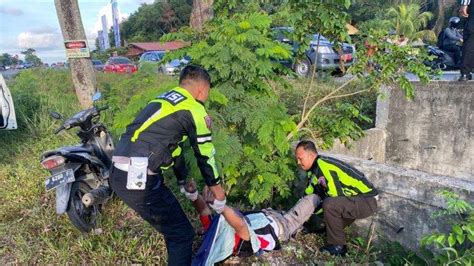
(82, 217)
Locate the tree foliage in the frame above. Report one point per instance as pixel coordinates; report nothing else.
(7, 60)
(30, 56)
(408, 19)
(251, 124)
(152, 21)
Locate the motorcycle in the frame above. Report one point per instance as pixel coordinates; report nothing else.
(442, 59)
(80, 173)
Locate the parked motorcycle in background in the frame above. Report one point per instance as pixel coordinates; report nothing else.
(80, 173)
(442, 60)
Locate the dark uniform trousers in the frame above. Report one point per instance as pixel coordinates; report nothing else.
(468, 45)
(158, 206)
(340, 212)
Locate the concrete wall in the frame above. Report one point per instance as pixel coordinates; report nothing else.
(417, 148)
(433, 132)
(370, 147)
(408, 198)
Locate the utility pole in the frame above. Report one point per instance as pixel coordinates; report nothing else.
(77, 50)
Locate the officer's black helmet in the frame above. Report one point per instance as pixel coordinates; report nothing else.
(454, 22)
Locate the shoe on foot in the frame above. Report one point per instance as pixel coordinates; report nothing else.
(465, 77)
(335, 250)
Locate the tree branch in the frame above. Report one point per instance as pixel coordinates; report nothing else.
(325, 98)
(313, 74)
(348, 94)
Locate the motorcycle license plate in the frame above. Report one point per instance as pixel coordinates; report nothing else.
(64, 177)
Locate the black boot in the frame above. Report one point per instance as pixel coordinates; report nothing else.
(465, 77)
(335, 250)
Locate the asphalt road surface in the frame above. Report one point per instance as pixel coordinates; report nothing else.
(10, 73)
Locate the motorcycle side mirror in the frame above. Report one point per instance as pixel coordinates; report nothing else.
(56, 115)
(96, 96)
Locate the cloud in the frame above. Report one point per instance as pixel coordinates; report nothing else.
(11, 11)
(42, 37)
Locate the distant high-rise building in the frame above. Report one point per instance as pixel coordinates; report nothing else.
(100, 37)
(105, 33)
(115, 19)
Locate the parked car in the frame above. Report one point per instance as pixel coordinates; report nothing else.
(97, 65)
(328, 58)
(174, 67)
(156, 58)
(119, 64)
(25, 65)
(151, 57)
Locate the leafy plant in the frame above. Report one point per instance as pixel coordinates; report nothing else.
(407, 19)
(241, 58)
(455, 246)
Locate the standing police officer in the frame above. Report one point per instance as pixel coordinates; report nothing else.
(152, 142)
(467, 11)
(347, 195)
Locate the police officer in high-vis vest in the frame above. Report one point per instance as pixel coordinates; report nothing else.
(347, 195)
(153, 142)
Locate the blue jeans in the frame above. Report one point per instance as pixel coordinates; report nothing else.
(158, 206)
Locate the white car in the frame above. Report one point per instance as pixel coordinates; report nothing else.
(7, 110)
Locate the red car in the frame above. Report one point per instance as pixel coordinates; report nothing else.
(119, 64)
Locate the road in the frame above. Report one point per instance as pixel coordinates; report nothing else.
(8, 74)
(446, 76)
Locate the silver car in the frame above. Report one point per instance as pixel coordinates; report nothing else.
(174, 67)
(321, 53)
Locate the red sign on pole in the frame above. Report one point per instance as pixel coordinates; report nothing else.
(76, 49)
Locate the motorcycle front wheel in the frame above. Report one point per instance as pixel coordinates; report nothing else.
(82, 217)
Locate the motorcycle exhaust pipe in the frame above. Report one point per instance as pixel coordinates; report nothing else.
(96, 196)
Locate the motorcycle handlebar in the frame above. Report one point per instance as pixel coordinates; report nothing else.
(77, 121)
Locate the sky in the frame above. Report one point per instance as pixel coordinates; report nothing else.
(34, 24)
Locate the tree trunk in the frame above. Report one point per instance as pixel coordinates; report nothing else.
(439, 25)
(202, 12)
(82, 72)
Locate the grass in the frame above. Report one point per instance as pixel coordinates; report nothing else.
(31, 232)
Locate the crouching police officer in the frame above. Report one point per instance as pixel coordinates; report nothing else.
(347, 195)
(152, 142)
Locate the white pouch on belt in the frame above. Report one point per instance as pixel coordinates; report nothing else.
(137, 173)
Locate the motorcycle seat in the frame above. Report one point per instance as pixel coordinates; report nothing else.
(66, 150)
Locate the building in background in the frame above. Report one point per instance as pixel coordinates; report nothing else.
(116, 25)
(105, 34)
(100, 38)
(135, 49)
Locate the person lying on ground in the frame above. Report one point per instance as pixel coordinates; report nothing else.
(245, 234)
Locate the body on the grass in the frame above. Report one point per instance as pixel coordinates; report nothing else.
(246, 233)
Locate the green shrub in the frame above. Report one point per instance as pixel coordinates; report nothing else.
(455, 246)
